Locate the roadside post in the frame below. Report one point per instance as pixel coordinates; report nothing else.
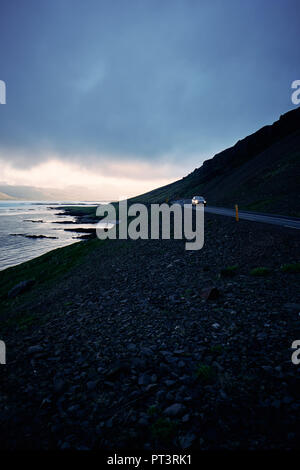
(236, 213)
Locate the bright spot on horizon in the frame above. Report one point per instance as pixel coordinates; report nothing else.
(106, 181)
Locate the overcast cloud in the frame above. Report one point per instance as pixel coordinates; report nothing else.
(151, 81)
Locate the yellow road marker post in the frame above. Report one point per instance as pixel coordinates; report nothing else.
(236, 213)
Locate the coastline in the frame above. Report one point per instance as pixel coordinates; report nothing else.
(38, 266)
(83, 215)
(42, 228)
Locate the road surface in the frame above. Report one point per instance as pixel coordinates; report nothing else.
(282, 220)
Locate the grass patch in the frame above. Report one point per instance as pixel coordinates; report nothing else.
(26, 321)
(45, 269)
(216, 349)
(259, 205)
(291, 268)
(189, 292)
(260, 271)
(229, 271)
(205, 373)
(21, 321)
(164, 429)
(152, 410)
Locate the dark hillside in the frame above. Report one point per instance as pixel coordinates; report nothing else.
(260, 172)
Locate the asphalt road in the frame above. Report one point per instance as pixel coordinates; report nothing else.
(283, 221)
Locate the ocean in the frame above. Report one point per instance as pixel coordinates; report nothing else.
(20, 218)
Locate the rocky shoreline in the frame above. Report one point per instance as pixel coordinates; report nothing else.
(80, 218)
(144, 345)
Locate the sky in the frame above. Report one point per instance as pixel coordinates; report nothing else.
(122, 96)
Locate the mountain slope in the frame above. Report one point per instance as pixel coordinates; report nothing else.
(260, 172)
(5, 197)
(31, 193)
(22, 192)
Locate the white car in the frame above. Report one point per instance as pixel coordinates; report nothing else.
(198, 200)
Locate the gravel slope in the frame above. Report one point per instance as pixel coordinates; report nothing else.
(128, 352)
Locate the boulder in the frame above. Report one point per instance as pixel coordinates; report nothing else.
(35, 349)
(210, 293)
(177, 409)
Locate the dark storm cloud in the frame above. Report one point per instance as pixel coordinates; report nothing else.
(142, 78)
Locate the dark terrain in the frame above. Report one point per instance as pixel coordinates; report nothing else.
(123, 344)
